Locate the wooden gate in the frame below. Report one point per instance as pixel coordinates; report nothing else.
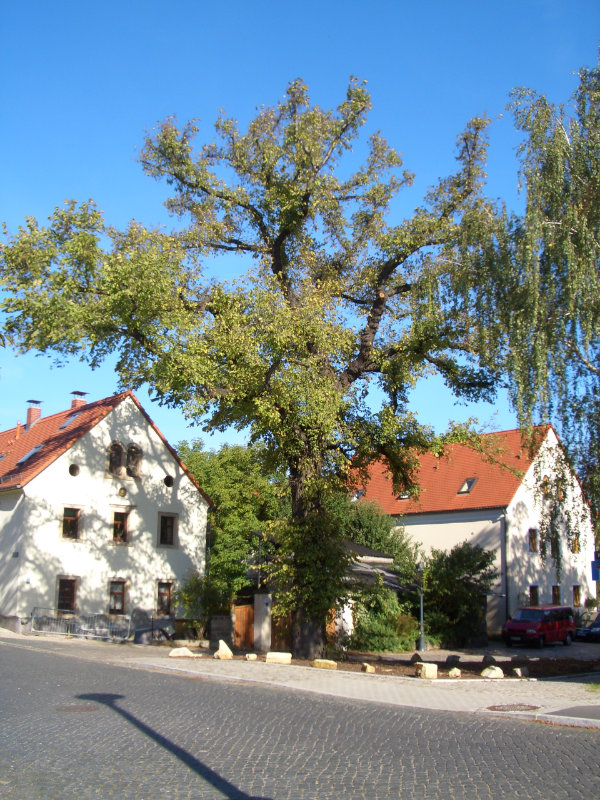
(243, 631)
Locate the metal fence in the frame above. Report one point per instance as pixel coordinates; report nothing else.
(88, 626)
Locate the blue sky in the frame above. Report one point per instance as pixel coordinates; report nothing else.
(83, 81)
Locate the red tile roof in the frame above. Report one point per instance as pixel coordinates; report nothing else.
(49, 437)
(440, 478)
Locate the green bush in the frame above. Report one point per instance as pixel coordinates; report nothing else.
(381, 623)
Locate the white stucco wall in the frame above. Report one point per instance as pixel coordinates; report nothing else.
(11, 523)
(94, 559)
(484, 528)
(506, 532)
(527, 568)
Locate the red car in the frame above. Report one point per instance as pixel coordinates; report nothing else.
(540, 625)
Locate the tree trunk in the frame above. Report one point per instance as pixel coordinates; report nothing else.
(308, 631)
(308, 635)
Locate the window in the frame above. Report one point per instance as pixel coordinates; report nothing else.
(70, 523)
(120, 526)
(165, 591)
(556, 595)
(167, 530)
(116, 603)
(575, 543)
(533, 540)
(534, 596)
(576, 595)
(69, 420)
(121, 462)
(134, 460)
(66, 594)
(28, 455)
(467, 486)
(116, 456)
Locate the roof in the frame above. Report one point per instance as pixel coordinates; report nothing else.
(25, 451)
(440, 479)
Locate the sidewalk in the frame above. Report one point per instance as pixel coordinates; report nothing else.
(559, 701)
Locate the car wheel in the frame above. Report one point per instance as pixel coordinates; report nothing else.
(541, 642)
(568, 639)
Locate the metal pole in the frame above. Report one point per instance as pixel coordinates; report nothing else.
(421, 627)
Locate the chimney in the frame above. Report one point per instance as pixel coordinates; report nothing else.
(79, 399)
(34, 412)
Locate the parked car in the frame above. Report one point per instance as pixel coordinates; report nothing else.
(540, 625)
(588, 627)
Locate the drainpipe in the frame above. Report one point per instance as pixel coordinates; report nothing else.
(504, 524)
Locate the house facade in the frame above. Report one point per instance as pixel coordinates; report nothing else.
(495, 498)
(97, 513)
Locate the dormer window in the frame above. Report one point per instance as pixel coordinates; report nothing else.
(68, 421)
(467, 486)
(32, 452)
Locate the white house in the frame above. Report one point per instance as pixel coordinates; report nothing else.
(495, 501)
(97, 513)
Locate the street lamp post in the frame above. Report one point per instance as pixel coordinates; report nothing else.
(421, 625)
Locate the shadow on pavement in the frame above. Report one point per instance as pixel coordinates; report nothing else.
(201, 769)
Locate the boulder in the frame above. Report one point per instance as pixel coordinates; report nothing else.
(520, 672)
(492, 672)
(426, 671)
(251, 656)
(454, 673)
(224, 653)
(368, 668)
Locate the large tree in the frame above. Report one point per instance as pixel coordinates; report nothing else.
(334, 296)
(544, 267)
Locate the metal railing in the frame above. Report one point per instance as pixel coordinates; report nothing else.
(88, 626)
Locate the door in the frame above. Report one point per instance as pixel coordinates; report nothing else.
(243, 630)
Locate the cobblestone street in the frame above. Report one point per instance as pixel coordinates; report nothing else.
(79, 728)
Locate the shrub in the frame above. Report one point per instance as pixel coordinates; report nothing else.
(381, 623)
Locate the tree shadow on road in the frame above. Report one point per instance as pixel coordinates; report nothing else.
(201, 769)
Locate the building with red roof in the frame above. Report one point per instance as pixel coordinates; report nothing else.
(97, 513)
(491, 496)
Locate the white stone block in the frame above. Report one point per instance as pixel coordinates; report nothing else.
(278, 658)
(324, 663)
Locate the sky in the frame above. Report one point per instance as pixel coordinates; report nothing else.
(84, 82)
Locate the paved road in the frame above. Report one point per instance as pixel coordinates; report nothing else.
(74, 727)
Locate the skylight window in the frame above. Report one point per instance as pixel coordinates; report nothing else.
(68, 421)
(32, 452)
(467, 486)
(403, 496)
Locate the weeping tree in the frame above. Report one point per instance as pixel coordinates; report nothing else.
(332, 300)
(540, 274)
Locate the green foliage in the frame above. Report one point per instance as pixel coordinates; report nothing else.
(308, 569)
(366, 524)
(199, 598)
(455, 587)
(336, 296)
(381, 624)
(247, 498)
(539, 274)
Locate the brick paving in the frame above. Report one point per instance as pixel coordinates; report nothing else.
(87, 720)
